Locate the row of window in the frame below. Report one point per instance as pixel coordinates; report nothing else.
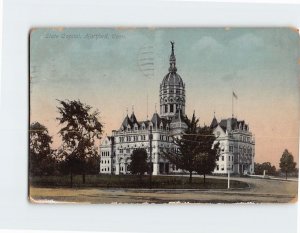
(105, 161)
(222, 168)
(230, 158)
(105, 153)
(177, 91)
(244, 138)
(170, 108)
(136, 128)
(133, 138)
(248, 150)
(105, 169)
(166, 138)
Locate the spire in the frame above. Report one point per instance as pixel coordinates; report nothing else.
(214, 123)
(172, 68)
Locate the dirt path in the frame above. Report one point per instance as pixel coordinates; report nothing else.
(260, 191)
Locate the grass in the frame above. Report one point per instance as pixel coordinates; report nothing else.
(132, 181)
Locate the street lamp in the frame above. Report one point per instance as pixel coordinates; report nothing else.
(150, 159)
(228, 172)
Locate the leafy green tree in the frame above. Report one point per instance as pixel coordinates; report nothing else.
(206, 160)
(138, 163)
(267, 166)
(80, 129)
(287, 163)
(41, 161)
(192, 148)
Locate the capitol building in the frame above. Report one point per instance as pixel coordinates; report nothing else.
(236, 141)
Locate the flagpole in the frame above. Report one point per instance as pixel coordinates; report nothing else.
(232, 103)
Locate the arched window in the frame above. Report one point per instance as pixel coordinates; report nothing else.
(166, 108)
(171, 108)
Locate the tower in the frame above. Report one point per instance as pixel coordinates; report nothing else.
(172, 90)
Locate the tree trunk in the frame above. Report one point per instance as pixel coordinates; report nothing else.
(204, 178)
(83, 178)
(71, 178)
(190, 179)
(286, 175)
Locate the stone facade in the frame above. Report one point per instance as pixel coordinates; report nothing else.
(236, 141)
(115, 150)
(237, 146)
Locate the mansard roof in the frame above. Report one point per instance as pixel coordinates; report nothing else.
(235, 124)
(156, 119)
(133, 118)
(126, 122)
(178, 117)
(214, 123)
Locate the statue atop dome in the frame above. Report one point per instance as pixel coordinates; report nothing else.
(172, 67)
(172, 90)
(172, 43)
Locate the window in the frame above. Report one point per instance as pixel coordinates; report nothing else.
(166, 108)
(230, 148)
(217, 167)
(223, 158)
(171, 108)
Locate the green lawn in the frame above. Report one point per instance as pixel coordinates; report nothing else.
(131, 181)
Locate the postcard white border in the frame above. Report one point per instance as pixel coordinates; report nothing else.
(15, 210)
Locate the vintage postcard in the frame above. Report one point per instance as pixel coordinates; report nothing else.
(163, 115)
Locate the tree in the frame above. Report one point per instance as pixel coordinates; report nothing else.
(205, 161)
(267, 166)
(138, 163)
(193, 143)
(287, 163)
(41, 161)
(80, 130)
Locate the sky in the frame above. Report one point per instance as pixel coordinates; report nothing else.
(106, 68)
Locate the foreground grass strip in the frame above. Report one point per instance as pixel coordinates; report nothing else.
(131, 181)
